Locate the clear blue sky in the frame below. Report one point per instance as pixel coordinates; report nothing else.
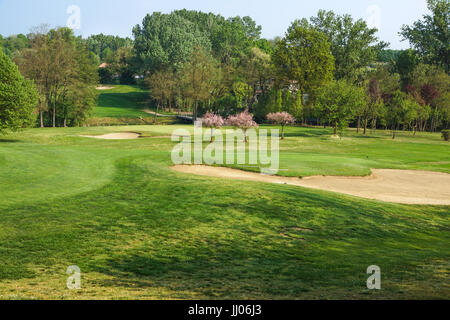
(117, 17)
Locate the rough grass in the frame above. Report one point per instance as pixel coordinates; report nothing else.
(139, 230)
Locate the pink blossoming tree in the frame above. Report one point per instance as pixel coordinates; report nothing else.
(243, 121)
(281, 118)
(213, 121)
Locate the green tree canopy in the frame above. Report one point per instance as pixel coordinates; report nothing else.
(166, 40)
(104, 45)
(304, 56)
(338, 103)
(353, 44)
(431, 36)
(65, 75)
(18, 97)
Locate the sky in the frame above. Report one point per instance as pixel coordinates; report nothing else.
(118, 17)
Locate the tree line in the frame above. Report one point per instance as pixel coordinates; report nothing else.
(326, 70)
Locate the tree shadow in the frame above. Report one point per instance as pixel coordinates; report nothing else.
(10, 141)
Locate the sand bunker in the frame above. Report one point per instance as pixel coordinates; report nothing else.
(116, 136)
(104, 88)
(398, 186)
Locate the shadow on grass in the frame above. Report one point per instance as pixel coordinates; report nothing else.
(308, 133)
(130, 100)
(10, 141)
(366, 137)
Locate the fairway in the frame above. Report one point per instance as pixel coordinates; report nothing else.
(139, 230)
(121, 101)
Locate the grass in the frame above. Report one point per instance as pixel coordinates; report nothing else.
(123, 101)
(125, 105)
(138, 230)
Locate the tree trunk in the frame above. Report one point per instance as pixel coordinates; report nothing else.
(54, 114)
(282, 132)
(394, 129)
(365, 126)
(335, 129)
(42, 118)
(65, 122)
(156, 114)
(212, 137)
(358, 125)
(194, 116)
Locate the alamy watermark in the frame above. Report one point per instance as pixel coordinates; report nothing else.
(374, 281)
(74, 20)
(74, 279)
(374, 17)
(231, 147)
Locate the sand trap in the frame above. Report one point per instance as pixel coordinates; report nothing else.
(399, 186)
(104, 88)
(116, 136)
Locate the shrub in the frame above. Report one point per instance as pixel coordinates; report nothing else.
(446, 135)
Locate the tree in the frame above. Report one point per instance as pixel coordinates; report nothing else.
(243, 93)
(388, 55)
(371, 110)
(121, 64)
(106, 46)
(388, 82)
(13, 44)
(159, 84)
(339, 102)
(304, 57)
(400, 111)
(405, 64)
(296, 107)
(213, 121)
(433, 86)
(166, 40)
(230, 38)
(243, 121)
(18, 97)
(80, 97)
(353, 44)
(281, 118)
(62, 69)
(256, 69)
(431, 36)
(199, 75)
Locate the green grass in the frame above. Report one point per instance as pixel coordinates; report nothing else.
(122, 101)
(139, 230)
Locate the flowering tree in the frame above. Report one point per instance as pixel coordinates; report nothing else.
(213, 121)
(243, 121)
(281, 118)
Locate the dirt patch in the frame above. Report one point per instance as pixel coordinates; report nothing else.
(104, 88)
(116, 136)
(398, 186)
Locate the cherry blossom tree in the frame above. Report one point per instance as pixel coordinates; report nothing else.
(243, 121)
(281, 118)
(213, 121)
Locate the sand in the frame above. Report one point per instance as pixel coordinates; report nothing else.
(397, 186)
(116, 136)
(104, 88)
